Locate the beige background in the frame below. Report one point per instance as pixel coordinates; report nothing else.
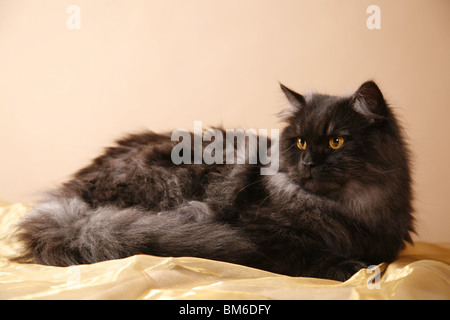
(66, 94)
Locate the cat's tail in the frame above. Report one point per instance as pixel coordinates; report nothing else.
(66, 231)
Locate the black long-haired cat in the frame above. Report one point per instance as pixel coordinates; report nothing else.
(340, 201)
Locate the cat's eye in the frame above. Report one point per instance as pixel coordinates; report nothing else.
(336, 142)
(301, 143)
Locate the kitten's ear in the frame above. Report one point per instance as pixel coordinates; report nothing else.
(296, 101)
(368, 101)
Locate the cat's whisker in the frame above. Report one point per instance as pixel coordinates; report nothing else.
(382, 172)
(282, 152)
(249, 185)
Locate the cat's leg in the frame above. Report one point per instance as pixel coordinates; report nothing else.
(336, 267)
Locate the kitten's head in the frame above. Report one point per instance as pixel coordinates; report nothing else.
(332, 142)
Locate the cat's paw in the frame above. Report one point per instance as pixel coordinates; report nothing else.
(345, 269)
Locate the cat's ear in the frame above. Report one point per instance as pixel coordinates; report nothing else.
(369, 101)
(296, 101)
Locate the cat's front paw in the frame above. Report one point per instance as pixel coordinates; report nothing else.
(345, 269)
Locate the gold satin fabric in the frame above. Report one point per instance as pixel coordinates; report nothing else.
(421, 272)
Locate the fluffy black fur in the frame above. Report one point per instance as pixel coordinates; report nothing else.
(326, 213)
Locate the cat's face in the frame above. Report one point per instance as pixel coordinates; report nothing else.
(331, 141)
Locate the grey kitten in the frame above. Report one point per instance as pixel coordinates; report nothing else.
(340, 201)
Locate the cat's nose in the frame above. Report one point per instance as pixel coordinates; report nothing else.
(308, 162)
(309, 166)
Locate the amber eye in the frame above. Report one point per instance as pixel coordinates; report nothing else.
(301, 143)
(336, 142)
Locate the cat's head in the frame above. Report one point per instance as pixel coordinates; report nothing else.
(330, 142)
